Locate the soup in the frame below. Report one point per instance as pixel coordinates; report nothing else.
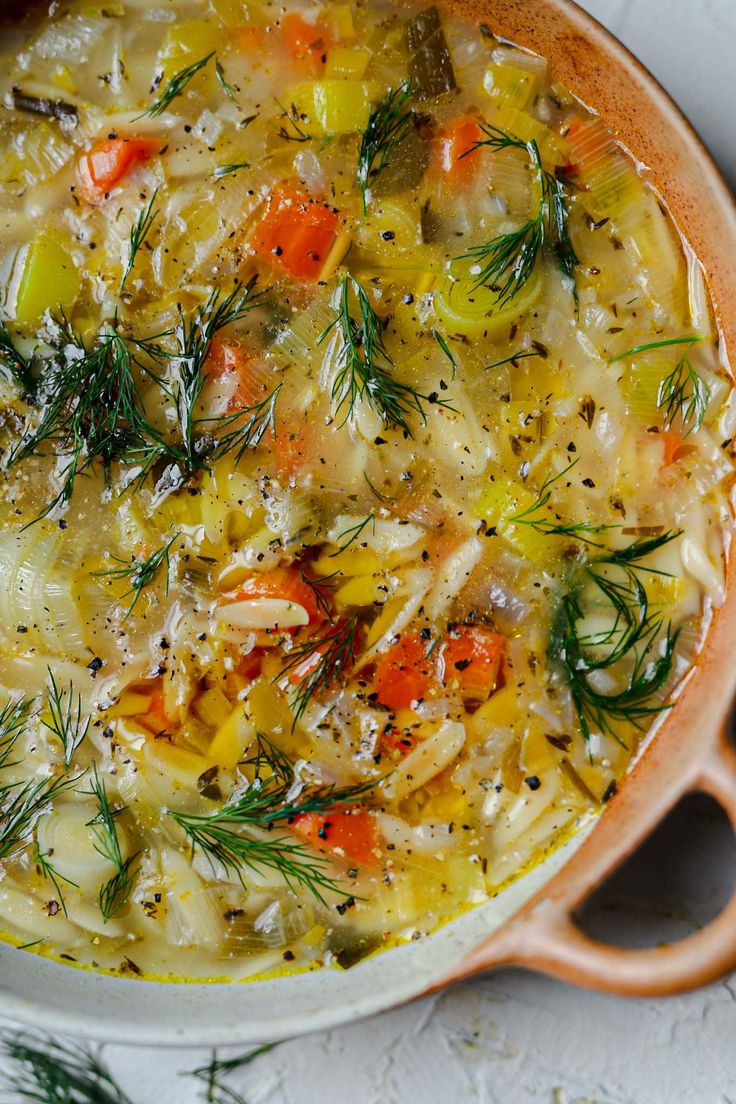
(365, 492)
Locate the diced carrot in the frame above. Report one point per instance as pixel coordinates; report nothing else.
(286, 583)
(290, 451)
(352, 832)
(305, 42)
(296, 233)
(249, 665)
(404, 674)
(156, 718)
(252, 38)
(471, 655)
(229, 359)
(106, 163)
(456, 158)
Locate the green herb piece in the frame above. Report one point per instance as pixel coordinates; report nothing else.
(692, 339)
(523, 354)
(65, 718)
(352, 534)
(581, 531)
(49, 871)
(114, 893)
(324, 662)
(138, 235)
(683, 398)
(388, 125)
(141, 573)
(507, 261)
(217, 1068)
(227, 88)
(297, 133)
(226, 170)
(270, 801)
(251, 426)
(18, 366)
(14, 717)
(22, 804)
(365, 367)
(375, 491)
(320, 587)
(446, 350)
(174, 87)
(637, 643)
(44, 1070)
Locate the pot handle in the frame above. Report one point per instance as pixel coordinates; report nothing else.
(549, 940)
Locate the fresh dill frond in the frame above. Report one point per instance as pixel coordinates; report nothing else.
(18, 365)
(115, 892)
(320, 663)
(252, 423)
(441, 341)
(507, 261)
(523, 354)
(138, 234)
(22, 804)
(226, 170)
(141, 573)
(390, 122)
(294, 120)
(174, 87)
(683, 398)
(271, 800)
(321, 586)
(217, 1068)
(14, 717)
(65, 718)
(636, 643)
(352, 534)
(45, 1070)
(666, 343)
(364, 367)
(47, 870)
(227, 88)
(533, 515)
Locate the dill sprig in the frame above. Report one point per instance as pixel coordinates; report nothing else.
(507, 261)
(637, 643)
(174, 87)
(18, 365)
(22, 804)
(580, 530)
(683, 398)
(666, 343)
(48, 1071)
(91, 409)
(321, 586)
(523, 354)
(217, 1068)
(441, 341)
(14, 716)
(114, 893)
(226, 170)
(322, 662)
(388, 125)
(293, 120)
(252, 423)
(225, 85)
(49, 871)
(271, 800)
(138, 234)
(352, 534)
(364, 367)
(65, 718)
(141, 573)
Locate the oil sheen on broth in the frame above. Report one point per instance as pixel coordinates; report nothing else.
(364, 488)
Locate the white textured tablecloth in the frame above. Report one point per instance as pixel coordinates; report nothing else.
(514, 1038)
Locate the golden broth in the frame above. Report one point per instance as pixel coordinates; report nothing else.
(366, 457)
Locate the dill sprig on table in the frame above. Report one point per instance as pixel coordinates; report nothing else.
(507, 261)
(364, 367)
(325, 660)
(47, 1070)
(65, 717)
(141, 573)
(390, 122)
(637, 642)
(683, 398)
(114, 893)
(138, 234)
(175, 86)
(271, 800)
(217, 1068)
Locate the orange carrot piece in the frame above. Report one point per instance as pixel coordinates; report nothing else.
(296, 233)
(228, 359)
(106, 163)
(305, 42)
(471, 656)
(404, 674)
(352, 832)
(456, 159)
(286, 583)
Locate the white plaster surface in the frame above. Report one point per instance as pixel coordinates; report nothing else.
(514, 1038)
